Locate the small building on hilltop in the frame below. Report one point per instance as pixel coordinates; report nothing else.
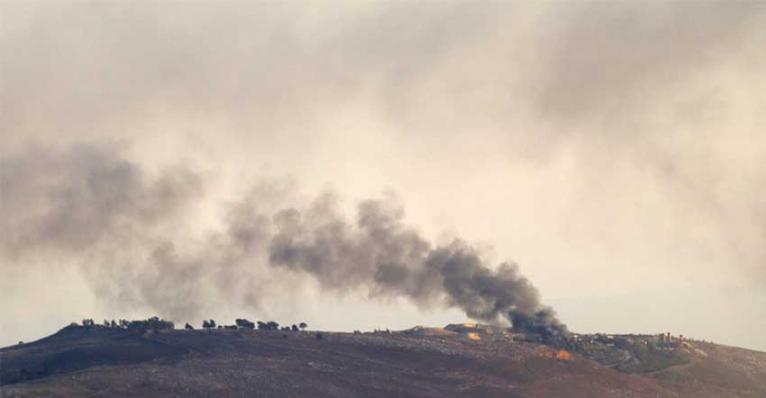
(476, 331)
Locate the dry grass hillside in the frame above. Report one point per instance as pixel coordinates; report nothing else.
(422, 362)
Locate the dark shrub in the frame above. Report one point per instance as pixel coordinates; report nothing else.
(245, 324)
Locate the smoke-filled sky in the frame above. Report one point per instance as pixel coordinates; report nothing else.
(345, 164)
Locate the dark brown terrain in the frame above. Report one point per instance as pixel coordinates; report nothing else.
(102, 362)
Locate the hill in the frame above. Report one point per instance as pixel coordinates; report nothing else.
(421, 362)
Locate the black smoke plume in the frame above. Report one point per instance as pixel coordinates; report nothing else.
(381, 252)
(101, 211)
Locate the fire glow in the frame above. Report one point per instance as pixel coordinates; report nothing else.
(473, 336)
(561, 355)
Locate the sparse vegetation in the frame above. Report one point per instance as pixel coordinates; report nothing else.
(270, 325)
(627, 353)
(631, 353)
(153, 323)
(99, 361)
(208, 324)
(245, 324)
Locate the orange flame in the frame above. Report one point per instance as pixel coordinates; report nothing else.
(473, 336)
(561, 355)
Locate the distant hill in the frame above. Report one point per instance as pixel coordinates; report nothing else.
(460, 360)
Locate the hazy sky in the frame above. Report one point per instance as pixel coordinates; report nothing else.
(614, 151)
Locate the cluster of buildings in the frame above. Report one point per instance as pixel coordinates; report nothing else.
(657, 341)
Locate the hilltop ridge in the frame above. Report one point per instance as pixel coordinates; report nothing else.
(418, 362)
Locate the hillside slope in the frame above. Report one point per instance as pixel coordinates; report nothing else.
(81, 361)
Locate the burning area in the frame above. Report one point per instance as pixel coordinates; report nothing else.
(83, 214)
(561, 355)
(473, 336)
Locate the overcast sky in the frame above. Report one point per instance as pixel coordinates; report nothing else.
(614, 151)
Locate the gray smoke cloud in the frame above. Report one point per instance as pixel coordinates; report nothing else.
(90, 205)
(64, 201)
(381, 252)
(625, 139)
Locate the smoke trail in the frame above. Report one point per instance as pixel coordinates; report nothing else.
(61, 202)
(381, 252)
(105, 213)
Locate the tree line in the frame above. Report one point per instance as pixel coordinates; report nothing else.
(153, 323)
(156, 323)
(241, 323)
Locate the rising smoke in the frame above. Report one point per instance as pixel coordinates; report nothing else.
(91, 207)
(381, 252)
(628, 137)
